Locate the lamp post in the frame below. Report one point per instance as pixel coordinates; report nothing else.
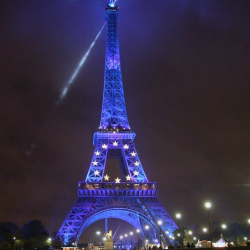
(208, 205)
(160, 223)
(178, 216)
(138, 232)
(126, 236)
(121, 240)
(131, 234)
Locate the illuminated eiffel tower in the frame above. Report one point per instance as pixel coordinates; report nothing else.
(132, 197)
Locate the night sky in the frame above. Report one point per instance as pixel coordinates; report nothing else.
(186, 77)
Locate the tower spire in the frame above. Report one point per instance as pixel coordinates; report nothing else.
(114, 114)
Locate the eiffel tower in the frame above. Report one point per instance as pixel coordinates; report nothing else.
(132, 198)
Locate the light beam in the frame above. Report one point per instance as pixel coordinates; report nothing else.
(66, 89)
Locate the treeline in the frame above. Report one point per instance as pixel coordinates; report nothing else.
(32, 235)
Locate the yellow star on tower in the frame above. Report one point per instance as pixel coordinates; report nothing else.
(136, 163)
(128, 178)
(133, 153)
(106, 177)
(96, 172)
(136, 173)
(117, 180)
(95, 163)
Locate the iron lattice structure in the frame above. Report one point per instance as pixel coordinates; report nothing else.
(134, 199)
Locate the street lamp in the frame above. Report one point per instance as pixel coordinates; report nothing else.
(131, 234)
(160, 223)
(121, 240)
(190, 232)
(126, 236)
(208, 205)
(204, 230)
(98, 233)
(245, 238)
(178, 216)
(248, 221)
(147, 227)
(138, 232)
(224, 226)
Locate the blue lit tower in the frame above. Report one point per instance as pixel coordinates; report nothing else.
(132, 197)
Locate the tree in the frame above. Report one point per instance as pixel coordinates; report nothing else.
(7, 232)
(31, 229)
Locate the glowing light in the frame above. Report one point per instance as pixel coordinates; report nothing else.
(115, 143)
(138, 230)
(133, 153)
(248, 221)
(104, 238)
(204, 230)
(131, 233)
(190, 232)
(96, 172)
(126, 146)
(167, 232)
(159, 222)
(126, 235)
(65, 90)
(224, 226)
(117, 180)
(97, 153)
(136, 173)
(106, 177)
(156, 240)
(178, 216)
(104, 146)
(128, 178)
(136, 163)
(194, 238)
(98, 232)
(208, 205)
(95, 163)
(111, 4)
(147, 227)
(179, 235)
(121, 237)
(245, 238)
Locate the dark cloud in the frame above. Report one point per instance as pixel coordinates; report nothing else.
(186, 77)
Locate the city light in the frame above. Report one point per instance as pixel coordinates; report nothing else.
(159, 222)
(224, 226)
(104, 238)
(208, 205)
(248, 221)
(178, 216)
(190, 232)
(138, 230)
(167, 232)
(147, 227)
(98, 232)
(131, 233)
(204, 230)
